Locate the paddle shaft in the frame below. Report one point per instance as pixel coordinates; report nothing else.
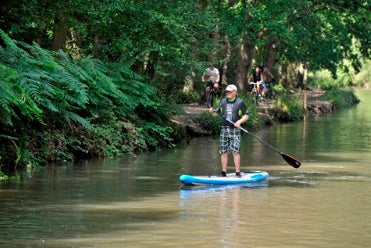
(289, 159)
(262, 141)
(256, 137)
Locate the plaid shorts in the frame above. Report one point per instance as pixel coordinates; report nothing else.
(229, 140)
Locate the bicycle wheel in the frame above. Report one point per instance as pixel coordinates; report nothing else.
(210, 101)
(254, 97)
(261, 100)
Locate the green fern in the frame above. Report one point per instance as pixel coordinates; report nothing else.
(46, 83)
(74, 117)
(44, 91)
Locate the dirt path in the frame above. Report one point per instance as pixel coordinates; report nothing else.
(194, 109)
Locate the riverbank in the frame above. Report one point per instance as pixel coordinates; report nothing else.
(139, 202)
(269, 114)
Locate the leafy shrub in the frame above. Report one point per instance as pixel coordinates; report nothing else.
(187, 97)
(341, 98)
(323, 80)
(363, 76)
(53, 108)
(209, 122)
(288, 107)
(253, 120)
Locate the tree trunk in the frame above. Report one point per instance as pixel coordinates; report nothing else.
(74, 45)
(284, 74)
(60, 35)
(306, 76)
(302, 75)
(97, 52)
(227, 59)
(246, 53)
(150, 70)
(189, 82)
(273, 46)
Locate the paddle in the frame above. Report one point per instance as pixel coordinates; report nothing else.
(289, 159)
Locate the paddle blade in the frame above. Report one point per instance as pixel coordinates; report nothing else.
(291, 160)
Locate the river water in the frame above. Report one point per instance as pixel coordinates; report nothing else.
(138, 201)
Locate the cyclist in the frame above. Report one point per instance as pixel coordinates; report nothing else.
(257, 77)
(266, 78)
(260, 76)
(211, 74)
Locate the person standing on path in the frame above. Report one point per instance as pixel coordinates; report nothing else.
(234, 113)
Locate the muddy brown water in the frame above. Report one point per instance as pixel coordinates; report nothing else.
(138, 201)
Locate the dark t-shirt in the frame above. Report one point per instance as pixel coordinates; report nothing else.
(230, 110)
(256, 77)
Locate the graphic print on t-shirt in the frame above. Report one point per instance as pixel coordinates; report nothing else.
(229, 110)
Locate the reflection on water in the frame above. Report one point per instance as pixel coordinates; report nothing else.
(138, 201)
(224, 220)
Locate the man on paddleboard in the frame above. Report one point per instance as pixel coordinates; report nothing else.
(233, 110)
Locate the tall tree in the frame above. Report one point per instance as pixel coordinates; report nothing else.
(161, 39)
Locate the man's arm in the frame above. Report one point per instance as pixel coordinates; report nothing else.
(218, 77)
(250, 78)
(203, 77)
(244, 118)
(213, 112)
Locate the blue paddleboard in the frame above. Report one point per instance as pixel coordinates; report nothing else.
(230, 179)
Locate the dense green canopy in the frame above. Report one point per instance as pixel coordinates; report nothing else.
(167, 40)
(105, 72)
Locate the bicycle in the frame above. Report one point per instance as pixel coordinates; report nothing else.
(210, 94)
(256, 97)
